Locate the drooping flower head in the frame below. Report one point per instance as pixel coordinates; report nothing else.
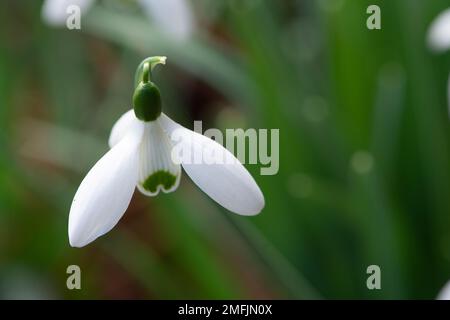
(142, 155)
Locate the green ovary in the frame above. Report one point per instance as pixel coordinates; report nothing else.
(147, 102)
(159, 178)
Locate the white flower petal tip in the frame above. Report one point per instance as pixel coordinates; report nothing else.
(54, 12)
(106, 191)
(445, 292)
(438, 37)
(157, 171)
(228, 182)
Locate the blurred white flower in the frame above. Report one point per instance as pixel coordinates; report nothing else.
(438, 39)
(173, 17)
(439, 32)
(141, 143)
(445, 292)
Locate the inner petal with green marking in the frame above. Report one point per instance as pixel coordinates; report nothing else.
(157, 171)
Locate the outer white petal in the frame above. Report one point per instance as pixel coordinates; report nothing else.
(229, 184)
(174, 17)
(439, 33)
(155, 162)
(445, 292)
(106, 191)
(54, 12)
(121, 127)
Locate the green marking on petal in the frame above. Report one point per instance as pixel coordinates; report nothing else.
(159, 178)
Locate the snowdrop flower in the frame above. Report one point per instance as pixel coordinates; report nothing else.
(438, 38)
(445, 292)
(174, 17)
(439, 33)
(141, 143)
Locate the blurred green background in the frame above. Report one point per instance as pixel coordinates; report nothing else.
(364, 151)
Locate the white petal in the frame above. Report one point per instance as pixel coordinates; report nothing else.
(229, 184)
(445, 292)
(121, 127)
(157, 171)
(106, 191)
(54, 12)
(439, 33)
(172, 16)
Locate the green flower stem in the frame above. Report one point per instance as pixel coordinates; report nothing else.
(144, 75)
